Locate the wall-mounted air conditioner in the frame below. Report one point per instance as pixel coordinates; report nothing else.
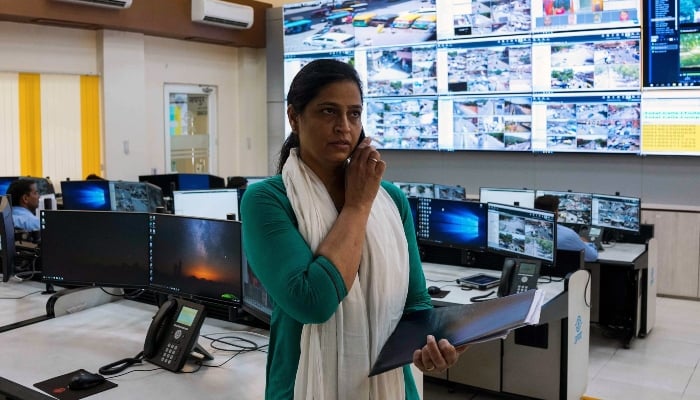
(101, 3)
(222, 13)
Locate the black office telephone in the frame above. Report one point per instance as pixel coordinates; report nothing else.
(173, 333)
(518, 275)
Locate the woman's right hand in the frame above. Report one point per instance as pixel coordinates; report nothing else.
(363, 175)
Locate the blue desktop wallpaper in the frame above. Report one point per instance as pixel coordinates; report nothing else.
(452, 222)
(86, 195)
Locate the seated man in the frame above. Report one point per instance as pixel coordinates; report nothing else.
(567, 238)
(25, 200)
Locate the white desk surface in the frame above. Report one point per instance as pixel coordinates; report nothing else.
(621, 252)
(20, 301)
(94, 337)
(444, 276)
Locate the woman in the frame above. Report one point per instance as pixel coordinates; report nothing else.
(335, 248)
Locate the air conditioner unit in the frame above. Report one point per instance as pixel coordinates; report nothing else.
(222, 13)
(101, 3)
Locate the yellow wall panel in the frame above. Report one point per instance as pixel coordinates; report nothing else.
(90, 124)
(30, 124)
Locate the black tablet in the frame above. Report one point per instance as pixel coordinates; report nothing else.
(479, 281)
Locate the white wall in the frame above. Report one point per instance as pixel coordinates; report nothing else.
(134, 68)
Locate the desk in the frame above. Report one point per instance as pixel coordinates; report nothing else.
(552, 366)
(623, 291)
(21, 302)
(103, 334)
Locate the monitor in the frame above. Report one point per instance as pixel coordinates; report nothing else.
(669, 120)
(216, 204)
(256, 301)
(670, 44)
(90, 195)
(514, 197)
(197, 258)
(452, 223)
(413, 206)
(7, 239)
(183, 181)
(615, 212)
(448, 192)
(5, 183)
(574, 207)
(415, 189)
(135, 196)
(523, 232)
(95, 248)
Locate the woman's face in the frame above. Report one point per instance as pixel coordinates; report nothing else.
(330, 126)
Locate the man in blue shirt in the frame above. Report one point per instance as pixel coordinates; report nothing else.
(567, 238)
(25, 200)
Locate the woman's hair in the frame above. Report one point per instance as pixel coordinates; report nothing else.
(306, 85)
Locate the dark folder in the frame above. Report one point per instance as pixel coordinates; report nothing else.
(460, 324)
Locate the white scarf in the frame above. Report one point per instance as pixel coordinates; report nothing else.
(336, 356)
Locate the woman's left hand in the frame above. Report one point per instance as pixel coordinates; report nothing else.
(437, 356)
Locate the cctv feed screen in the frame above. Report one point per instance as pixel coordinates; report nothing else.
(671, 44)
(97, 248)
(195, 257)
(574, 207)
(459, 75)
(522, 231)
(616, 212)
(452, 223)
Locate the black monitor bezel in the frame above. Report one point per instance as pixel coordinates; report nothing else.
(558, 193)
(179, 292)
(616, 196)
(93, 215)
(499, 250)
(471, 205)
(7, 239)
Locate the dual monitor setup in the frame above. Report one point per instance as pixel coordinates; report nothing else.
(505, 221)
(188, 257)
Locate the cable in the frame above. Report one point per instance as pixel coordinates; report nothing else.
(20, 297)
(483, 297)
(119, 366)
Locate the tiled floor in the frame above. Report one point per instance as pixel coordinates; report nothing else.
(663, 366)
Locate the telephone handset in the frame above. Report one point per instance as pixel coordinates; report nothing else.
(173, 333)
(518, 275)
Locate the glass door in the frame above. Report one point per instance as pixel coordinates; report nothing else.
(190, 129)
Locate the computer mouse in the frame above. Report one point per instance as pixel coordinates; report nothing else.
(434, 290)
(85, 380)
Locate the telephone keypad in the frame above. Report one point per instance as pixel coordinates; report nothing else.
(169, 353)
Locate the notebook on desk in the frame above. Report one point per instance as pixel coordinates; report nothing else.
(460, 324)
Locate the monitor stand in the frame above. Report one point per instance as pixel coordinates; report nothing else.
(49, 289)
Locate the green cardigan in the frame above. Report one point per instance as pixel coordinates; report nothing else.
(305, 289)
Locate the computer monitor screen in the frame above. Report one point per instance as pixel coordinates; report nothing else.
(615, 212)
(7, 239)
(514, 197)
(669, 120)
(415, 189)
(135, 196)
(448, 192)
(196, 257)
(670, 44)
(95, 248)
(216, 204)
(523, 232)
(90, 195)
(413, 205)
(255, 300)
(452, 223)
(574, 207)
(5, 183)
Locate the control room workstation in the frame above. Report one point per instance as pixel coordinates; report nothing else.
(171, 281)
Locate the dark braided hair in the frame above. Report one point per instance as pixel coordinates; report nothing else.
(306, 85)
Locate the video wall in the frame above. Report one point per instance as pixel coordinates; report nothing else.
(516, 75)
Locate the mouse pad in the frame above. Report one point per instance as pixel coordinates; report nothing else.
(440, 295)
(58, 387)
